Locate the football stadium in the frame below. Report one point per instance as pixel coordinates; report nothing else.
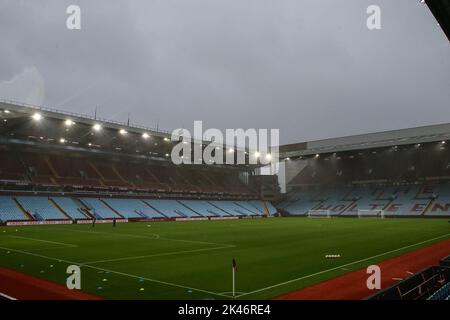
(80, 191)
(93, 208)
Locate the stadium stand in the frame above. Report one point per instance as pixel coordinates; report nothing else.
(171, 208)
(70, 207)
(99, 209)
(230, 208)
(402, 200)
(433, 283)
(9, 211)
(40, 208)
(132, 208)
(203, 208)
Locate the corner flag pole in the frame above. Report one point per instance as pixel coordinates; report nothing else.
(234, 277)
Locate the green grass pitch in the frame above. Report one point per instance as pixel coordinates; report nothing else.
(192, 260)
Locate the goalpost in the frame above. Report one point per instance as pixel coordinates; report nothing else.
(379, 213)
(319, 214)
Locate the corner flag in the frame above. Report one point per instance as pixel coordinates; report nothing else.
(234, 277)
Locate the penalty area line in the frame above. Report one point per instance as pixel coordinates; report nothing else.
(342, 266)
(46, 241)
(119, 273)
(155, 255)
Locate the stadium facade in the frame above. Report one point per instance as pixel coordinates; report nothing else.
(58, 166)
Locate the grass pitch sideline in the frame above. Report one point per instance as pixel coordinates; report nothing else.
(192, 260)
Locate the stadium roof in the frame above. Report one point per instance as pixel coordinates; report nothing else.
(24, 124)
(441, 11)
(411, 136)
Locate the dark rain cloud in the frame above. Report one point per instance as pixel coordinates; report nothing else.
(310, 68)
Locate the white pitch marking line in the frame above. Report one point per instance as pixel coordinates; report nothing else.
(342, 266)
(155, 255)
(117, 272)
(6, 296)
(157, 237)
(47, 241)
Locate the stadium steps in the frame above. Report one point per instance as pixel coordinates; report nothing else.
(253, 209)
(25, 212)
(264, 206)
(59, 208)
(121, 178)
(83, 208)
(430, 205)
(112, 209)
(52, 169)
(189, 208)
(98, 173)
(227, 213)
(148, 204)
(155, 178)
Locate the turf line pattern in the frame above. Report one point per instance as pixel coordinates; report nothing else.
(342, 266)
(118, 272)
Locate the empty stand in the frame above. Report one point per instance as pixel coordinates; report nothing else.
(171, 208)
(9, 211)
(70, 207)
(99, 209)
(40, 208)
(133, 208)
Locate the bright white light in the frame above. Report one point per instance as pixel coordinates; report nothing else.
(69, 122)
(443, 142)
(6, 111)
(257, 154)
(37, 116)
(167, 154)
(288, 159)
(123, 131)
(145, 135)
(62, 140)
(268, 156)
(97, 127)
(317, 155)
(231, 150)
(166, 139)
(89, 144)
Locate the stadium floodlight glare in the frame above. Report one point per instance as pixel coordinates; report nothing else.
(97, 127)
(145, 135)
(62, 140)
(37, 116)
(123, 131)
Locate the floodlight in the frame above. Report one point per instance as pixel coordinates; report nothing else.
(37, 116)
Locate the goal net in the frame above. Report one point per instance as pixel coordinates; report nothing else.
(319, 214)
(362, 213)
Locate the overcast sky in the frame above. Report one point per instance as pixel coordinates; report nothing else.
(308, 67)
